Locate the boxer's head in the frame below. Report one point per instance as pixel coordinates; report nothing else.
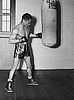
(26, 19)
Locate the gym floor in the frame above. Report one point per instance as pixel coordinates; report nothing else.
(57, 84)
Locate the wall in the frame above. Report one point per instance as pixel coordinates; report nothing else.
(6, 54)
(45, 57)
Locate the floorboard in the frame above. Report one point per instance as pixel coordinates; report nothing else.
(55, 84)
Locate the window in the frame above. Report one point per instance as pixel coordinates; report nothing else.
(7, 16)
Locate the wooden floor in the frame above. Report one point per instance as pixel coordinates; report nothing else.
(53, 85)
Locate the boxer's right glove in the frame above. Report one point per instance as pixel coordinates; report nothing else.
(39, 35)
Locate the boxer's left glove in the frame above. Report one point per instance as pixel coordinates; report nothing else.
(23, 39)
(39, 35)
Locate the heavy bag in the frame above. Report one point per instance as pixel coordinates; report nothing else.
(49, 22)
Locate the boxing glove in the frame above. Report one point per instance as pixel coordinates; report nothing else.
(39, 35)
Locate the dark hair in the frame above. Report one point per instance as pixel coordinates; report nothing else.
(26, 16)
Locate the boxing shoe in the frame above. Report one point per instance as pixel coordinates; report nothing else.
(8, 87)
(32, 82)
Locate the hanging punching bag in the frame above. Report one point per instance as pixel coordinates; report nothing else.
(49, 22)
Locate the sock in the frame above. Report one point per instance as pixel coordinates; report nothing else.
(29, 77)
(9, 80)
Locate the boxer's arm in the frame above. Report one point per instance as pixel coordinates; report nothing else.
(33, 35)
(39, 35)
(12, 39)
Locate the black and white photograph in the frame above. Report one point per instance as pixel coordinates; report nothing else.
(36, 49)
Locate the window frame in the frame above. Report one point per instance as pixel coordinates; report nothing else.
(12, 19)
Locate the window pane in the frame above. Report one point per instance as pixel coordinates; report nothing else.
(7, 11)
(8, 4)
(8, 26)
(3, 18)
(3, 4)
(8, 18)
(3, 26)
(0, 23)
(3, 11)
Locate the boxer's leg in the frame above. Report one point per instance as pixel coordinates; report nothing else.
(29, 72)
(8, 87)
(29, 67)
(12, 71)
